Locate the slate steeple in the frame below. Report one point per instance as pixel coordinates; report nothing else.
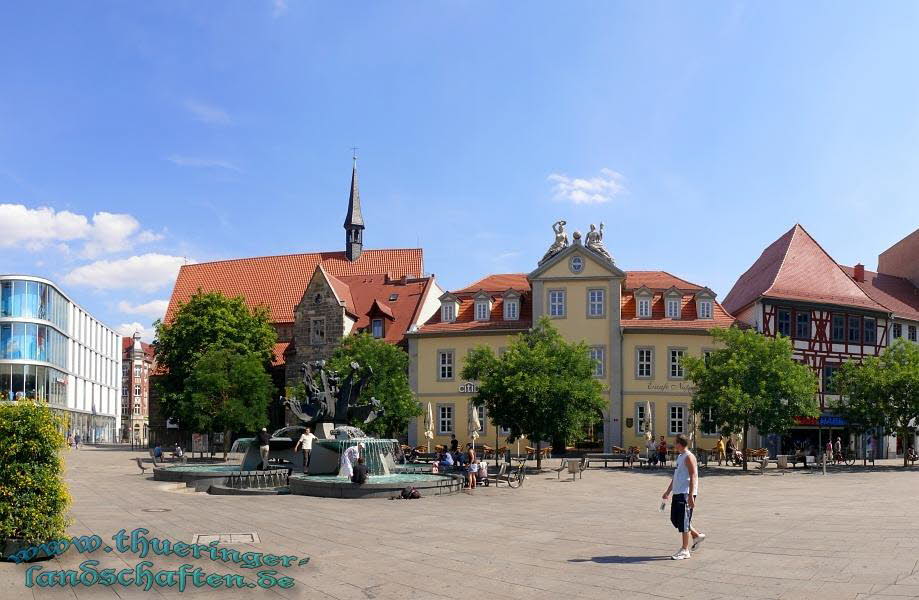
(354, 220)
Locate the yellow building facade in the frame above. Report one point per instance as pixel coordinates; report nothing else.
(637, 324)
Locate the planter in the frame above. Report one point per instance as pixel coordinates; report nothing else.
(11, 546)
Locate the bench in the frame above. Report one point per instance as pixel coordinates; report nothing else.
(496, 477)
(808, 460)
(606, 459)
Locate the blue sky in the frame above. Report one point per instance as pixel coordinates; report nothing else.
(135, 136)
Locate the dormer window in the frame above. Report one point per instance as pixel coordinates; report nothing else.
(482, 306)
(376, 327)
(705, 304)
(449, 307)
(673, 308)
(448, 312)
(511, 309)
(705, 309)
(644, 308)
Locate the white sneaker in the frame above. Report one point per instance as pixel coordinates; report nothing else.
(698, 542)
(682, 554)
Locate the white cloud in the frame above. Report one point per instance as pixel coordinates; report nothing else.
(207, 113)
(204, 163)
(37, 228)
(147, 272)
(155, 309)
(278, 8)
(596, 190)
(128, 329)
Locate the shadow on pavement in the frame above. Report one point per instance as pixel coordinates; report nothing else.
(620, 560)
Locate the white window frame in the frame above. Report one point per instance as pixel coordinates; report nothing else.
(511, 309)
(482, 310)
(598, 354)
(445, 418)
(673, 308)
(639, 363)
(671, 420)
(446, 365)
(706, 309)
(596, 305)
(373, 328)
(448, 312)
(644, 307)
(558, 304)
(675, 364)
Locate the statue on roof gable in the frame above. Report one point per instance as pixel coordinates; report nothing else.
(560, 243)
(595, 242)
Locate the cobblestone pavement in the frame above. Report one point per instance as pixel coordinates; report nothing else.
(850, 534)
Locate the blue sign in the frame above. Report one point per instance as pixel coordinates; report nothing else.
(832, 421)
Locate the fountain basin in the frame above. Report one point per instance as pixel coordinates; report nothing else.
(202, 477)
(379, 486)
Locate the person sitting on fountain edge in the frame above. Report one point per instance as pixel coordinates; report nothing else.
(360, 472)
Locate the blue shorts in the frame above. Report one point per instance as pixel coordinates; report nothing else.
(680, 513)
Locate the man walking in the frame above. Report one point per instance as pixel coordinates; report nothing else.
(306, 444)
(685, 488)
(264, 446)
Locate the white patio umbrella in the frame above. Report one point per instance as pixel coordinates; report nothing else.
(429, 426)
(474, 427)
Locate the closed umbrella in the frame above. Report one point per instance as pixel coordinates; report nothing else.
(649, 426)
(474, 427)
(429, 426)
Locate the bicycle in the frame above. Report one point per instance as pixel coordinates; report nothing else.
(516, 476)
(846, 457)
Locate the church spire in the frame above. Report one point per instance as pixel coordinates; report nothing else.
(354, 220)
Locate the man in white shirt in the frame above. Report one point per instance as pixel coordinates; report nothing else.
(685, 488)
(306, 444)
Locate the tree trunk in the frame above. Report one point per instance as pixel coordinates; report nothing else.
(538, 456)
(226, 443)
(746, 426)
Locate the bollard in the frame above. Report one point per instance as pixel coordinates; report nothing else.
(824, 463)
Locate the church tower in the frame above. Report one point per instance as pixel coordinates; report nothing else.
(354, 221)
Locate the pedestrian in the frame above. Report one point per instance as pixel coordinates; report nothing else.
(70, 440)
(472, 467)
(76, 441)
(454, 444)
(264, 447)
(360, 472)
(720, 450)
(870, 453)
(651, 447)
(662, 451)
(305, 443)
(685, 489)
(828, 452)
(177, 452)
(157, 452)
(838, 448)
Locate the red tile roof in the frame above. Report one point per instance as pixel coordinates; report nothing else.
(371, 295)
(499, 283)
(896, 294)
(127, 343)
(278, 282)
(278, 353)
(796, 267)
(657, 280)
(495, 285)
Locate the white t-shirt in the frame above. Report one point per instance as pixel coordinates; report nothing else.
(681, 475)
(306, 441)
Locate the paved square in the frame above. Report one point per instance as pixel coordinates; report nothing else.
(850, 534)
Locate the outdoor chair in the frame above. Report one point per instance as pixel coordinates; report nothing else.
(140, 465)
(561, 467)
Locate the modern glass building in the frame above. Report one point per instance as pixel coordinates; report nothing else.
(54, 351)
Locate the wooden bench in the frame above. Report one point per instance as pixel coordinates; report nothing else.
(606, 459)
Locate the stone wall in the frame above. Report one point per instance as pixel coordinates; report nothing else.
(318, 302)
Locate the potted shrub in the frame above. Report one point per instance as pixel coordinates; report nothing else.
(33, 497)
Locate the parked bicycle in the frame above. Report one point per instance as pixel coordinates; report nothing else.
(517, 474)
(846, 457)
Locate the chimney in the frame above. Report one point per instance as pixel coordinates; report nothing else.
(859, 274)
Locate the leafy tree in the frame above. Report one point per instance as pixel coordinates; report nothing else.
(208, 320)
(753, 380)
(389, 383)
(227, 391)
(33, 496)
(542, 387)
(883, 391)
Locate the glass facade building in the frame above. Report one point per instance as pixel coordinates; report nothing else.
(53, 351)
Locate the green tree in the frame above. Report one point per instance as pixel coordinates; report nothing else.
(227, 392)
(389, 383)
(207, 320)
(882, 392)
(33, 496)
(542, 387)
(753, 380)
